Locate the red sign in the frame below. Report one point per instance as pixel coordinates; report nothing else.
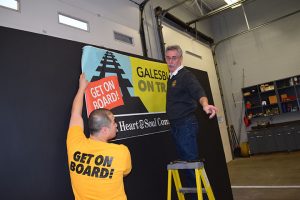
(104, 93)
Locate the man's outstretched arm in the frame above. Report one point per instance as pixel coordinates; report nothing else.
(76, 112)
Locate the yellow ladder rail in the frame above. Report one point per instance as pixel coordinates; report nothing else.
(200, 176)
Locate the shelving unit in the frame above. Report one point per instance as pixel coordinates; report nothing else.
(281, 98)
(272, 98)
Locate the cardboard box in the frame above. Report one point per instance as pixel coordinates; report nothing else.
(273, 99)
(247, 94)
(269, 88)
(283, 97)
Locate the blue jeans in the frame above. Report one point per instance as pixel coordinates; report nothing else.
(184, 132)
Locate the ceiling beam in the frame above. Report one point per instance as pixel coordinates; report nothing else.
(175, 22)
(174, 6)
(214, 12)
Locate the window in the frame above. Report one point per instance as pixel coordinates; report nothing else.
(11, 4)
(71, 21)
(123, 38)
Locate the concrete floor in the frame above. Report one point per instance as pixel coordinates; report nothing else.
(273, 176)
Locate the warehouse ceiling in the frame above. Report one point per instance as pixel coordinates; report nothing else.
(198, 7)
(209, 4)
(201, 9)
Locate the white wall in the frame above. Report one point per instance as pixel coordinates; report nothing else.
(265, 54)
(171, 37)
(104, 17)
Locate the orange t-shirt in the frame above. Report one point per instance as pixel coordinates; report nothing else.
(96, 168)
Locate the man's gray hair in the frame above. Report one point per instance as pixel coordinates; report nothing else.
(98, 119)
(174, 47)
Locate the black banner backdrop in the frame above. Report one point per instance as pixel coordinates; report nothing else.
(38, 81)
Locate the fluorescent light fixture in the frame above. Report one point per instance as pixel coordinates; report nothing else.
(229, 2)
(71, 21)
(12, 4)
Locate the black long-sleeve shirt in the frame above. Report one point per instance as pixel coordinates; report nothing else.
(183, 94)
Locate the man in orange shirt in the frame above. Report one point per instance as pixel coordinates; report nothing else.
(96, 167)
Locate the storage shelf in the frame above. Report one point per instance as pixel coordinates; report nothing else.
(273, 104)
(251, 95)
(269, 91)
(254, 107)
(284, 88)
(291, 111)
(288, 101)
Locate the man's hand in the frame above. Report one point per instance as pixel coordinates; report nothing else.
(76, 113)
(83, 83)
(210, 109)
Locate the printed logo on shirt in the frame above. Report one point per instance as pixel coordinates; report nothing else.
(174, 83)
(98, 166)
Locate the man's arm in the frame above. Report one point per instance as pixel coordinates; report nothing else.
(208, 109)
(197, 92)
(76, 113)
(127, 162)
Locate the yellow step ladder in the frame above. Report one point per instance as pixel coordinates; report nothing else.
(200, 174)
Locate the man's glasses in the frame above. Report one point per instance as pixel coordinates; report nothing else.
(173, 58)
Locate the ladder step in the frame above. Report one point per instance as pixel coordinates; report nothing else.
(185, 165)
(186, 190)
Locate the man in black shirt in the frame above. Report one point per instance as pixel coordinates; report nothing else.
(183, 95)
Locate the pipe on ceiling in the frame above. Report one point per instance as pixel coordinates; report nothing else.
(214, 12)
(174, 6)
